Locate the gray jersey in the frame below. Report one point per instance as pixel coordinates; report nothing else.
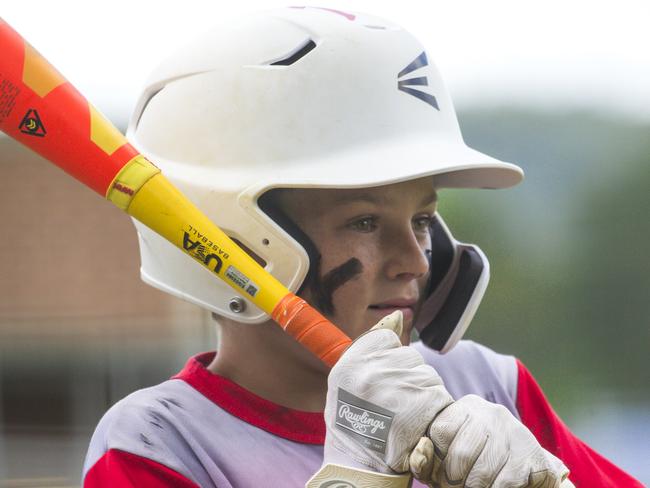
(214, 433)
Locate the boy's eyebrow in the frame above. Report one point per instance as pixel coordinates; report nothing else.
(359, 197)
(378, 199)
(429, 199)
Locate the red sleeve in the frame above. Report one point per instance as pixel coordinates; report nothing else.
(119, 469)
(588, 468)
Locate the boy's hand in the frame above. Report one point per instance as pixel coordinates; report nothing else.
(478, 443)
(382, 400)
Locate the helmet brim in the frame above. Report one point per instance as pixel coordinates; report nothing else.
(453, 165)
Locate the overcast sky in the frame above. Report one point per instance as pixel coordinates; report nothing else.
(552, 53)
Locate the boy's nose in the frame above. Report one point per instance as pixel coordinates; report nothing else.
(407, 257)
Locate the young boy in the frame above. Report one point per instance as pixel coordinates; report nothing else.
(316, 138)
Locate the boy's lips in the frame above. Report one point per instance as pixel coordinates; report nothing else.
(405, 305)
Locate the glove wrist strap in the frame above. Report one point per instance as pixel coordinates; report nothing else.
(332, 475)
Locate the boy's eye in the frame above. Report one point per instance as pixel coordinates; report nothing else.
(422, 223)
(364, 224)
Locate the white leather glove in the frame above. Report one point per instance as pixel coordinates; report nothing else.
(478, 443)
(381, 399)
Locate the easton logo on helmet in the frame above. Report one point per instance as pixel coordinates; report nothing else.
(404, 85)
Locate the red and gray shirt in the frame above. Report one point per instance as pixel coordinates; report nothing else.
(200, 429)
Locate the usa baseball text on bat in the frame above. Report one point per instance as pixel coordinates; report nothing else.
(41, 109)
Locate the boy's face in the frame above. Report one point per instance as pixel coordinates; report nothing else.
(374, 245)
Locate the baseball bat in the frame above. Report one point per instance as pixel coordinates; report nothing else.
(42, 110)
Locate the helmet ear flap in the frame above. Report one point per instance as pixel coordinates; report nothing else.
(442, 254)
(269, 204)
(459, 274)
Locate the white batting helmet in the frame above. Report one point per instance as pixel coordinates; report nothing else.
(306, 97)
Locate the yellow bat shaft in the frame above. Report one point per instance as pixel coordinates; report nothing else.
(144, 193)
(160, 206)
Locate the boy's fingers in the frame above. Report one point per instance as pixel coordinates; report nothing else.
(421, 459)
(391, 322)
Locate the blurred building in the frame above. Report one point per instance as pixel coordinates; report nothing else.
(78, 329)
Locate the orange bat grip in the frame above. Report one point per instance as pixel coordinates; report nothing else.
(311, 329)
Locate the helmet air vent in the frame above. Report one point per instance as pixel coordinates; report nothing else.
(296, 55)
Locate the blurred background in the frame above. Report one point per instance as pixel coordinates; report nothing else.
(561, 88)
